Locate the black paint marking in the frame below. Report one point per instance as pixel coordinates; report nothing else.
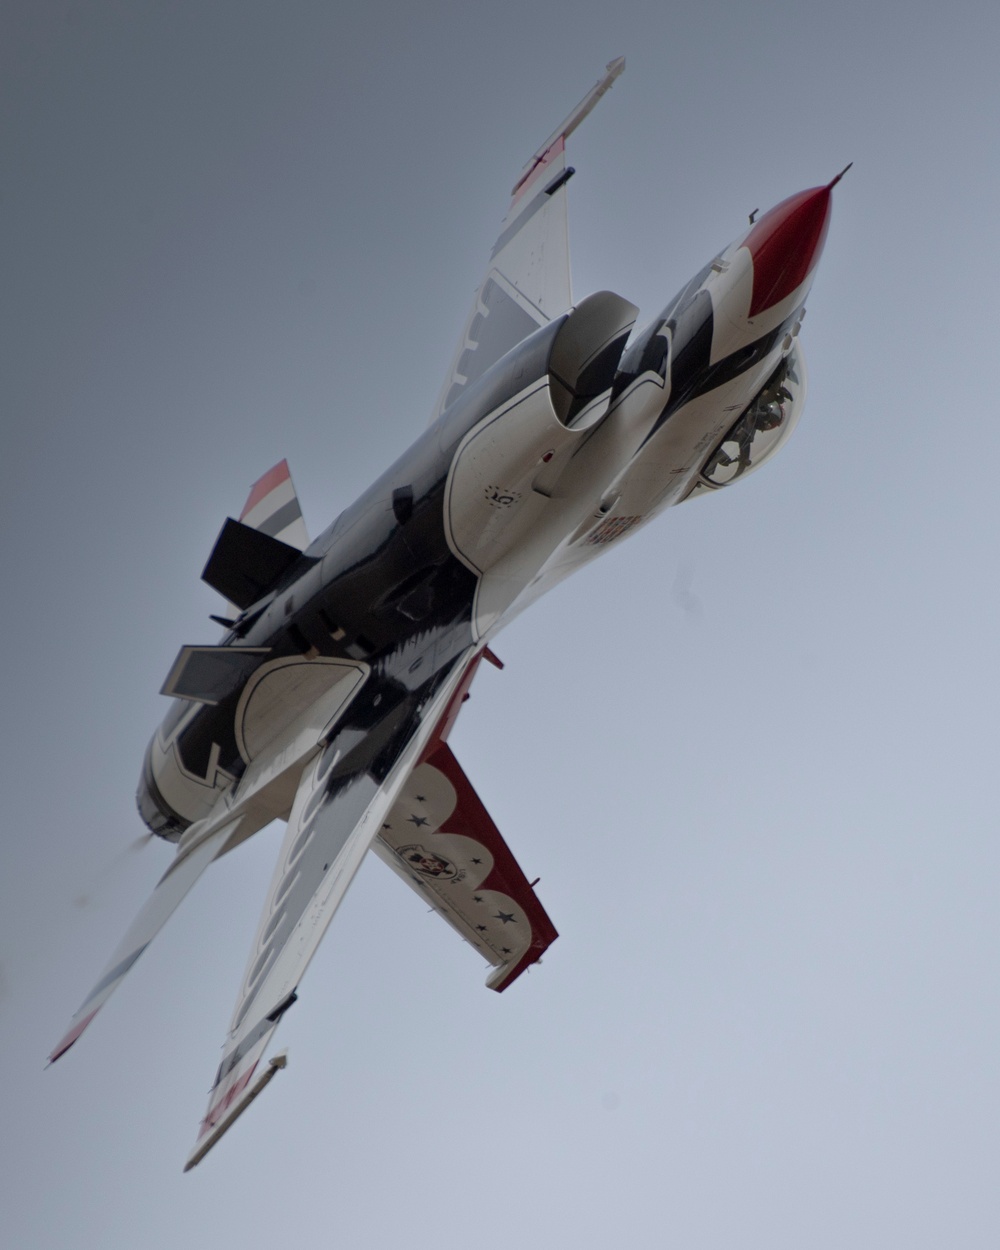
(560, 180)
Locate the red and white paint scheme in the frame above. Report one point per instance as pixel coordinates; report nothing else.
(329, 700)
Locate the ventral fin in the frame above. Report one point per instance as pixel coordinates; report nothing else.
(246, 563)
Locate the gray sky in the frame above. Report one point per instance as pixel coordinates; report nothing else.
(750, 754)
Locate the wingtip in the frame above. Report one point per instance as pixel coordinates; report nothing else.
(603, 85)
(70, 1038)
(58, 1053)
(210, 1134)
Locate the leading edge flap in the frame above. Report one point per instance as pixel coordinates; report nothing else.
(441, 840)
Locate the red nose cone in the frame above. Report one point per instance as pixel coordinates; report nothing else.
(785, 245)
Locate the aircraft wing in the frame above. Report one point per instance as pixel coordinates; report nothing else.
(440, 839)
(341, 803)
(197, 850)
(528, 280)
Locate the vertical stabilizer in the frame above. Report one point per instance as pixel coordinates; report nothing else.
(273, 508)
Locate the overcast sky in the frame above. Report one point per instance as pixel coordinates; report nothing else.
(751, 753)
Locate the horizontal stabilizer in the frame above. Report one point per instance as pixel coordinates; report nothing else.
(209, 674)
(440, 839)
(173, 886)
(246, 563)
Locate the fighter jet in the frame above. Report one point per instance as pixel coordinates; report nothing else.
(329, 700)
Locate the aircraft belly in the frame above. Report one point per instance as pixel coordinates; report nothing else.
(660, 475)
(478, 518)
(491, 501)
(669, 462)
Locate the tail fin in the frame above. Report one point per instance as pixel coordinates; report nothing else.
(273, 508)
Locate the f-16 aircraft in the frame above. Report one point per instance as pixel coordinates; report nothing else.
(329, 700)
